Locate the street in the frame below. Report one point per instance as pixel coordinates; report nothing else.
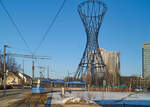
(12, 96)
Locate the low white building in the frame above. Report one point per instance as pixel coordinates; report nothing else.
(17, 78)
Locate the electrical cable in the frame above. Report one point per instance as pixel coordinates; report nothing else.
(15, 25)
(18, 48)
(50, 26)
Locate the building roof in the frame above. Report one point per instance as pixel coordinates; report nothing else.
(17, 74)
(25, 75)
(146, 44)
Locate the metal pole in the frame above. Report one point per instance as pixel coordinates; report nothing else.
(40, 74)
(68, 76)
(32, 69)
(23, 72)
(4, 62)
(0, 60)
(140, 82)
(48, 72)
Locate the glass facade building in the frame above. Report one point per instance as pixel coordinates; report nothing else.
(146, 60)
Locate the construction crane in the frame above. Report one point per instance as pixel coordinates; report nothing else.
(30, 57)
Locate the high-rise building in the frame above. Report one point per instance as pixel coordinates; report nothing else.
(146, 60)
(112, 61)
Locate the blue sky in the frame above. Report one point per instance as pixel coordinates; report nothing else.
(124, 29)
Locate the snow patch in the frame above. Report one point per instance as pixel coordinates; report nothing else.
(76, 100)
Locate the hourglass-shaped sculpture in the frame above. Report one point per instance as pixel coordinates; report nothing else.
(92, 14)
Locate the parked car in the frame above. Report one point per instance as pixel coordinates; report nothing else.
(9, 86)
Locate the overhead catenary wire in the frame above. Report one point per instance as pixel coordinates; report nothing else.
(16, 48)
(50, 26)
(15, 25)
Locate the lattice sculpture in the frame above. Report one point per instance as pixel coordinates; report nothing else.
(92, 14)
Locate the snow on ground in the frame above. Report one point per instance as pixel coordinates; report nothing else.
(139, 96)
(104, 97)
(98, 95)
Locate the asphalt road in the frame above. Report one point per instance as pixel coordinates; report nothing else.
(12, 92)
(12, 95)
